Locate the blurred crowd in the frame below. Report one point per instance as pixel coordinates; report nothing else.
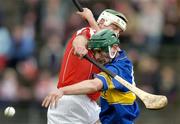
(34, 33)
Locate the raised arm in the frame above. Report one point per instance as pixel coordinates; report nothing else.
(87, 14)
(80, 42)
(83, 87)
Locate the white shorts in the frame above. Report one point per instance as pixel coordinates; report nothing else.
(74, 109)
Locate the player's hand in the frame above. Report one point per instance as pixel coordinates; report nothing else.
(80, 51)
(52, 99)
(86, 14)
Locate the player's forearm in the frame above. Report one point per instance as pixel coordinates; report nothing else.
(88, 15)
(92, 22)
(84, 87)
(80, 41)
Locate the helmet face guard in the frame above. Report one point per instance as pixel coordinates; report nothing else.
(103, 40)
(113, 17)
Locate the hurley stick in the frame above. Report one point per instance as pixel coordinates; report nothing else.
(150, 101)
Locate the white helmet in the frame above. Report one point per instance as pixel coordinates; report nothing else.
(113, 17)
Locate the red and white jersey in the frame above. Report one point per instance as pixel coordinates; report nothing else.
(73, 69)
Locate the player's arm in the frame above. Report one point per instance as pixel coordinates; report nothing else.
(87, 14)
(80, 42)
(83, 87)
(79, 45)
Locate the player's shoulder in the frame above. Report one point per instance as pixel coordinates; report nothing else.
(86, 30)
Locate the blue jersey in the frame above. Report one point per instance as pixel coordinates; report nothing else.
(118, 105)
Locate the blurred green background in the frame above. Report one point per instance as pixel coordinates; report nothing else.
(34, 33)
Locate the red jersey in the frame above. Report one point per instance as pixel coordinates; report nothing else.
(74, 69)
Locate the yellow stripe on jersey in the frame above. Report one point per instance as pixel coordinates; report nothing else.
(113, 95)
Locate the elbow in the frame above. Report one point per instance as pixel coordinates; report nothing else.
(96, 86)
(92, 88)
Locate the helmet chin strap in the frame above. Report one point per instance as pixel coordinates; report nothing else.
(111, 54)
